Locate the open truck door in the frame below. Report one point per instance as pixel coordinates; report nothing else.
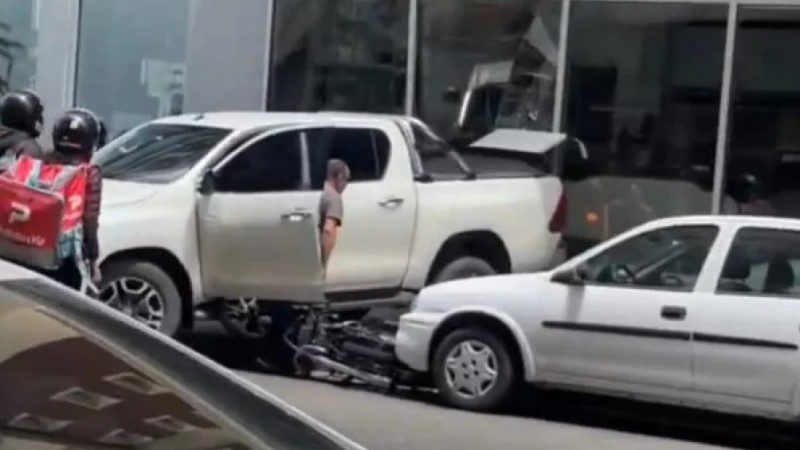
(257, 222)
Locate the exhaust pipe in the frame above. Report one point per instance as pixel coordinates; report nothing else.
(319, 358)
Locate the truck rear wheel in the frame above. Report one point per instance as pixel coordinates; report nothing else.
(464, 267)
(143, 291)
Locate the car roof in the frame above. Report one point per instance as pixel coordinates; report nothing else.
(742, 220)
(244, 120)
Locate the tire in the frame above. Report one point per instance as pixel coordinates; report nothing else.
(464, 267)
(116, 272)
(498, 392)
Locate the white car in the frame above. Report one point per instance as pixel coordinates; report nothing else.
(697, 310)
(224, 206)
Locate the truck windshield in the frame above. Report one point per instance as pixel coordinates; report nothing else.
(157, 153)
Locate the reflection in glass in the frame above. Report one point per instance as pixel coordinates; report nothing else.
(484, 63)
(763, 160)
(75, 375)
(643, 93)
(18, 40)
(339, 54)
(131, 59)
(157, 153)
(103, 401)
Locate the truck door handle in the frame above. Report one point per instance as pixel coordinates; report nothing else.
(299, 215)
(391, 202)
(673, 312)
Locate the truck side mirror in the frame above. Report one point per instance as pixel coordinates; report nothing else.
(205, 185)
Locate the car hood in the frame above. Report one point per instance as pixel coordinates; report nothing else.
(495, 290)
(117, 192)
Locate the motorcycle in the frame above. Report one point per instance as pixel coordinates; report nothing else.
(347, 350)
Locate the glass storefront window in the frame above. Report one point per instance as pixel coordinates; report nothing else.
(483, 64)
(131, 60)
(340, 55)
(18, 40)
(763, 159)
(642, 92)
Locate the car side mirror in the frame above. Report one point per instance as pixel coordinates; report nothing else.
(205, 185)
(570, 277)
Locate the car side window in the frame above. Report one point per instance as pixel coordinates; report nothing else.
(435, 154)
(667, 258)
(762, 261)
(272, 164)
(365, 150)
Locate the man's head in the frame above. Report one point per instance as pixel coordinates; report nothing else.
(338, 174)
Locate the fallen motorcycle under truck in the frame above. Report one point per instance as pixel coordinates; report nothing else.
(365, 350)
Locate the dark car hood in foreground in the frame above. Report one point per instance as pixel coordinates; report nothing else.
(75, 373)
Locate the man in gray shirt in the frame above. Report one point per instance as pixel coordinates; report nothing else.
(331, 208)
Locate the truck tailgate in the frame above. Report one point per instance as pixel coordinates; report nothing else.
(517, 209)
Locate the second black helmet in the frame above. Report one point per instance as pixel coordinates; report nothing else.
(76, 132)
(22, 110)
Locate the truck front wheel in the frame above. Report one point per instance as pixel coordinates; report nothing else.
(464, 267)
(143, 291)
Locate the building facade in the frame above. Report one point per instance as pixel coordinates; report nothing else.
(684, 107)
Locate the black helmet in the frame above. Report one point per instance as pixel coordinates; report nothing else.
(102, 133)
(76, 133)
(22, 110)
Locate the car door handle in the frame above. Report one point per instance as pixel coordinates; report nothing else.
(673, 312)
(296, 216)
(391, 202)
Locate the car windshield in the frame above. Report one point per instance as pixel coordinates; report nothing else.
(157, 153)
(74, 374)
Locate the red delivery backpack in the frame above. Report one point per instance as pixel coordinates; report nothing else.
(41, 212)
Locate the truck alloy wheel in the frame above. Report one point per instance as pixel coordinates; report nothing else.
(143, 291)
(136, 298)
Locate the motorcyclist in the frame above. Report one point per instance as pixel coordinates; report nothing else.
(21, 120)
(75, 138)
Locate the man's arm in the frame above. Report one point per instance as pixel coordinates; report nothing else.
(329, 232)
(330, 228)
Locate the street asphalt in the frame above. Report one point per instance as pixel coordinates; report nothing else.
(414, 420)
(377, 421)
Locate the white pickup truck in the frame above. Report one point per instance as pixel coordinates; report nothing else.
(223, 206)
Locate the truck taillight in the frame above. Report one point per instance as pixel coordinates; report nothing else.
(558, 223)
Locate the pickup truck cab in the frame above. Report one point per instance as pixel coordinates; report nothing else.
(223, 206)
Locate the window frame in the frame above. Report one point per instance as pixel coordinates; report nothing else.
(321, 156)
(305, 184)
(729, 251)
(628, 238)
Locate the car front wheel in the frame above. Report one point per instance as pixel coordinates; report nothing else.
(473, 370)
